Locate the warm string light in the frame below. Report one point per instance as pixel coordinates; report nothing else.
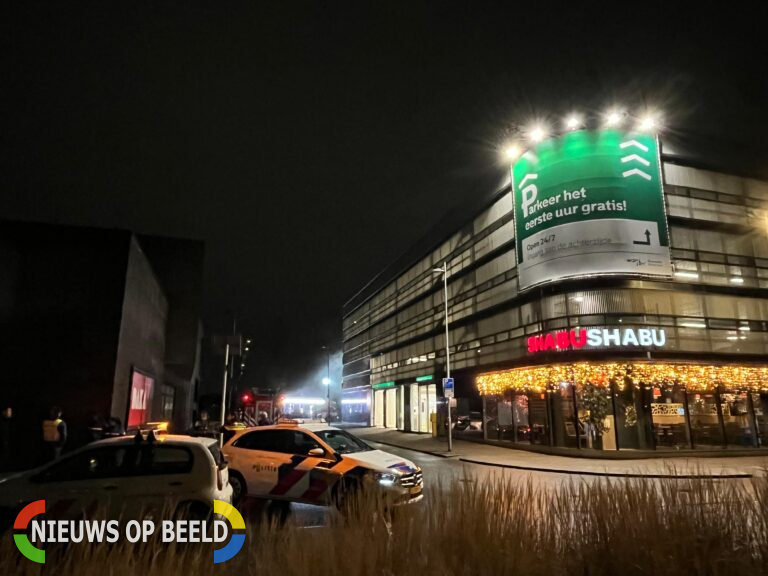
(694, 377)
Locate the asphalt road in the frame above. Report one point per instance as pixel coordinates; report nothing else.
(439, 473)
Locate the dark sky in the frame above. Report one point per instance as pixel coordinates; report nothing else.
(309, 144)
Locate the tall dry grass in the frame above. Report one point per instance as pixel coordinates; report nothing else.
(500, 527)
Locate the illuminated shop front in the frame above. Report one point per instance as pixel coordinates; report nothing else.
(628, 405)
(612, 294)
(405, 406)
(356, 406)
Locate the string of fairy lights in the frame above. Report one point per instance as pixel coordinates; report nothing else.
(693, 377)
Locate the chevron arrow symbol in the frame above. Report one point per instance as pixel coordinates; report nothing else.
(637, 171)
(636, 158)
(527, 177)
(635, 143)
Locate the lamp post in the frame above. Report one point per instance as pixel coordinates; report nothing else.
(327, 384)
(327, 380)
(444, 272)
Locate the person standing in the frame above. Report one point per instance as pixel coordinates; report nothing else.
(6, 438)
(54, 433)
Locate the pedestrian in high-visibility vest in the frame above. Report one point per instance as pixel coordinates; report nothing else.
(54, 433)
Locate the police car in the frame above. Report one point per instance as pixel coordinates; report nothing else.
(129, 477)
(316, 464)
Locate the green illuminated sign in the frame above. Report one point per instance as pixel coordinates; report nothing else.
(424, 378)
(589, 203)
(383, 385)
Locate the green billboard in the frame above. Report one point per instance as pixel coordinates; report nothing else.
(590, 203)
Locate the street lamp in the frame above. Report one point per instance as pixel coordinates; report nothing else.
(327, 384)
(327, 380)
(444, 272)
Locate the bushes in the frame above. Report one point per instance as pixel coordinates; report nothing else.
(500, 527)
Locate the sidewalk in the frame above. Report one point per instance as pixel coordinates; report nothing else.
(485, 454)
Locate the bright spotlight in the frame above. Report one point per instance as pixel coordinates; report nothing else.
(537, 134)
(512, 152)
(573, 122)
(613, 118)
(648, 123)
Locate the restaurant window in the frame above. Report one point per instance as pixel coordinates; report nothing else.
(760, 408)
(567, 430)
(596, 416)
(705, 423)
(632, 415)
(538, 416)
(670, 430)
(737, 420)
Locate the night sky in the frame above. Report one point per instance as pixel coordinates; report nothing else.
(310, 144)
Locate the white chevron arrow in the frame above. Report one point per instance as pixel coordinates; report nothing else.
(636, 158)
(636, 171)
(527, 177)
(629, 143)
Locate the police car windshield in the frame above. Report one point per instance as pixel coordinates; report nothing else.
(342, 442)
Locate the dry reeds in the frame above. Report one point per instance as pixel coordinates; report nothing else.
(497, 527)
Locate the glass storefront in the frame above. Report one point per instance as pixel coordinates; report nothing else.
(378, 408)
(356, 406)
(670, 428)
(405, 407)
(390, 418)
(760, 410)
(629, 407)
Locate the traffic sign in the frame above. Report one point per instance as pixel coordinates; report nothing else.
(448, 387)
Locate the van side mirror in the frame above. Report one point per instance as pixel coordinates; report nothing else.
(317, 452)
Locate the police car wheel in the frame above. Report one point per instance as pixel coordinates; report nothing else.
(239, 489)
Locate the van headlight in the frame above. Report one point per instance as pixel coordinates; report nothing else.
(386, 478)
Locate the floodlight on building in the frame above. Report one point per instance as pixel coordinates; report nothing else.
(512, 152)
(573, 122)
(613, 118)
(648, 123)
(537, 133)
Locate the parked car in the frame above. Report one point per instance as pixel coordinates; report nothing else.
(128, 477)
(316, 464)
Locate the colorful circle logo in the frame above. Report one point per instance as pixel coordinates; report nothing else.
(236, 521)
(21, 523)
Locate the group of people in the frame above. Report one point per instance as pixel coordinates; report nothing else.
(54, 433)
(54, 436)
(203, 424)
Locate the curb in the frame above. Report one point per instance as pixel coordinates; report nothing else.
(735, 476)
(739, 475)
(420, 451)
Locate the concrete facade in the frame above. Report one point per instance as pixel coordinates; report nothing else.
(80, 310)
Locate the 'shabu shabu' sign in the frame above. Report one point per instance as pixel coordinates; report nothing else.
(597, 338)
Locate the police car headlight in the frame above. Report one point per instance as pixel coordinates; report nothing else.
(386, 479)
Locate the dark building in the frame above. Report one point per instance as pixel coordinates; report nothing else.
(601, 353)
(99, 322)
